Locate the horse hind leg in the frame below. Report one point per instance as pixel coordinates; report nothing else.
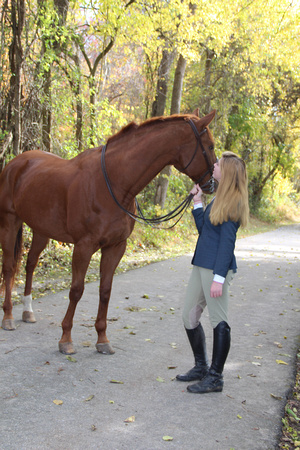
(11, 242)
(38, 244)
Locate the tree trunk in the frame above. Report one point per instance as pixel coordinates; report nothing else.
(158, 109)
(162, 182)
(206, 102)
(159, 104)
(177, 86)
(47, 113)
(16, 61)
(61, 7)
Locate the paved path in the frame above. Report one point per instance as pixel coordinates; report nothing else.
(147, 333)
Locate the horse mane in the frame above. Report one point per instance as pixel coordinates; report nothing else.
(132, 126)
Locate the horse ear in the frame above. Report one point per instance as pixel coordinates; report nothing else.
(196, 112)
(207, 119)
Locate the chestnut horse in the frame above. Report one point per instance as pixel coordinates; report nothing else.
(69, 201)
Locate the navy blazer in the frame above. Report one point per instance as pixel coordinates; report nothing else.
(215, 245)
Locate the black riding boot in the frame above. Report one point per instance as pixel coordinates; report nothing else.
(197, 340)
(213, 381)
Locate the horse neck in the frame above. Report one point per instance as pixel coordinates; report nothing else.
(138, 161)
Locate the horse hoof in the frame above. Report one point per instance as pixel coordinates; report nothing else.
(66, 348)
(8, 324)
(28, 317)
(105, 348)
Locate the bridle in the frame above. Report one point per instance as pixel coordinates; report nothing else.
(209, 185)
(184, 205)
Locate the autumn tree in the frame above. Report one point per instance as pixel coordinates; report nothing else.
(12, 24)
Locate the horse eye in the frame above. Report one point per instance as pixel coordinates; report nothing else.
(211, 147)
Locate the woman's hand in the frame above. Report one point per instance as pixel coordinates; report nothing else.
(197, 193)
(216, 289)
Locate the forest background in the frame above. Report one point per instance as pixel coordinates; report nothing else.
(72, 73)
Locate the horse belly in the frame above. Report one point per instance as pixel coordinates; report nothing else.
(44, 214)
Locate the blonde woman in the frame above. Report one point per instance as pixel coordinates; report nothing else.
(214, 264)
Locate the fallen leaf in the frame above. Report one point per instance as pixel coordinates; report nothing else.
(256, 363)
(130, 419)
(239, 417)
(160, 379)
(172, 367)
(167, 438)
(71, 359)
(145, 296)
(278, 344)
(279, 361)
(58, 402)
(86, 343)
(89, 398)
(111, 402)
(277, 397)
(93, 428)
(116, 382)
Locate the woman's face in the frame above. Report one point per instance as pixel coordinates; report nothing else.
(217, 171)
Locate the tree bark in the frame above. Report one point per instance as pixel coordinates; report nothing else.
(159, 104)
(16, 62)
(206, 102)
(158, 109)
(177, 86)
(162, 181)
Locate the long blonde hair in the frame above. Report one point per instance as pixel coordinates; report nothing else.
(231, 202)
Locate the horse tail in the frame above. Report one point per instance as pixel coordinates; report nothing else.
(18, 252)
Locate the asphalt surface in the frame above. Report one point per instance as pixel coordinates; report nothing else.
(146, 330)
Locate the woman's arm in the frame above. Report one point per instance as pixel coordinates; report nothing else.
(198, 207)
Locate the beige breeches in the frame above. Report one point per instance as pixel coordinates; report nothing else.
(198, 297)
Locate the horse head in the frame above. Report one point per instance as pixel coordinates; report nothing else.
(198, 164)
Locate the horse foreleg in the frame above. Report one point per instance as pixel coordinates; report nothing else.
(37, 246)
(109, 261)
(80, 262)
